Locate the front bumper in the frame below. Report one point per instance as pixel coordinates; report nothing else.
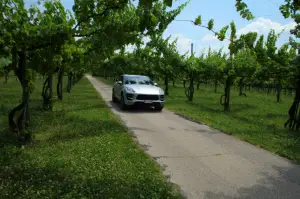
(150, 99)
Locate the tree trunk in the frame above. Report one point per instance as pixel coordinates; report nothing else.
(75, 79)
(6, 77)
(24, 117)
(47, 93)
(226, 96)
(191, 89)
(184, 82)
(278, 89)
(173, 82)
(50, 84)
(198, 85)
(59, 87)
(294, 117)
(242, 87)
(216, 85)
(166, 85)
(18, 123)
(70, 78)
(189, 92)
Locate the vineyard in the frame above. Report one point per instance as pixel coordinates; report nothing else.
(45, 51)
(253, 62)
(255, 66)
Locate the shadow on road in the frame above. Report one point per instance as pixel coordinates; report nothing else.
(136, 109)
(267, 186)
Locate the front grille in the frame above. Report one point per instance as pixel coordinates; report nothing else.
(129, 96)
(147, 97)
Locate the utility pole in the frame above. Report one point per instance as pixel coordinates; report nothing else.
(192, 49)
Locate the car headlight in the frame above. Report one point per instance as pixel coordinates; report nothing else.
(129, 90)
(161, 91)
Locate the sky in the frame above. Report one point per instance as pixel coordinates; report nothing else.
(266, 12)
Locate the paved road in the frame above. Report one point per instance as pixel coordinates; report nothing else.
(206, 163)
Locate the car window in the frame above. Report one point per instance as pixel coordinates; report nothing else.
(131, 81)
(138, 80)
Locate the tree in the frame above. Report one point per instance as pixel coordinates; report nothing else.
(228, 70)
(24, 32)
(215, 63)
(245, 65)
(290, 10)
(128, 26)
(191, 68)
(280, 59)
(164, 53)
(245, 43)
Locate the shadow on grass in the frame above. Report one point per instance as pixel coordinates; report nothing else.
(49, 121)
(73, 123)
(272, 115)
(61, 168)
(286, 186)
(208, 103)
(7, 138)
(79, 107)
(91, 128)
(232, 113)
(50, 182)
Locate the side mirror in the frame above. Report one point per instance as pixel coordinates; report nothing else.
(119, 82)
(155, 84)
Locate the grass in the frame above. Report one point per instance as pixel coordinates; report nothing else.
(257, 118)
(81, 150)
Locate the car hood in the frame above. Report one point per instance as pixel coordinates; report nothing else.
(144, 89)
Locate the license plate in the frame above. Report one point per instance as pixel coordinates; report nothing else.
(148, 101)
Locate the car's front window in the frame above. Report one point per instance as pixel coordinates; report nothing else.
(138, 80)
(130, 81)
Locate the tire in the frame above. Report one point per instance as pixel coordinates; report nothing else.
(123, 105)
(158, 107)
(113, 97)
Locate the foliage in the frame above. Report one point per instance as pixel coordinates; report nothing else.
(245, 63)
(214, 63)
(45, 41)
(244, 11)
(164, 54)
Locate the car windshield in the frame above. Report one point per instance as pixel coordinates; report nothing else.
(138, 80)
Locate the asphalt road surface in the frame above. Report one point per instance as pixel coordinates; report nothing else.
(206, 163)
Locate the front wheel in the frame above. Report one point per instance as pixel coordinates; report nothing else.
(123, 105)
(158, 107)
(113, 97)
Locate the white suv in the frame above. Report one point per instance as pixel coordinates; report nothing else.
(134, 89)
